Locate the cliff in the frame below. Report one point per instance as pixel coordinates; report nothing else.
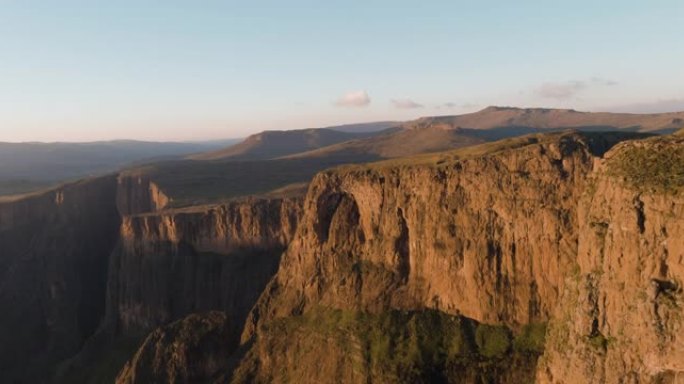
(173, 263)
(90, 268)
(137, 194)
(486, 234)
(622, 315)
(53, 269)
(553, 257)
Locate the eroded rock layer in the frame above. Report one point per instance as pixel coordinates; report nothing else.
(621, 315)
(489, 233)
(173, 263)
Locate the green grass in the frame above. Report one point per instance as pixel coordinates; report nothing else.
(492, 340)
(202, 182)
(411, 343)
(598, 342)
(531, 339)
(656, 165)
(18, 187)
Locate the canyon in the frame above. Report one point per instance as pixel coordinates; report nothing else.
(551, 257)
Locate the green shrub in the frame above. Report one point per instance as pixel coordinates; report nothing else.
(492, 340)
(654, 166)
(531, 339)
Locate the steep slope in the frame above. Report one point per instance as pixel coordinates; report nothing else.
(53, 274)
(623, 314)
(172, 263)
(480, 235)
(273, 144)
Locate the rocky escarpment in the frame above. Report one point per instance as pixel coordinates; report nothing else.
(623, 313)
(53, 274)
(486, 233)
(173, 263)
(96, 265)
(187, 351)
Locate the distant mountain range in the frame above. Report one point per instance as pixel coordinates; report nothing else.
(29, 166)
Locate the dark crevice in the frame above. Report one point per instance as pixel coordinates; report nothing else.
(401, 246)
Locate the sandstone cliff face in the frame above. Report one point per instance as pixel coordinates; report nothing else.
(53, 273)
(173, 263)
(488, 234)
(487, 237)
(621, 318)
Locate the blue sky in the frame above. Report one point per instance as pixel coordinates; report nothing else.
(194, 70)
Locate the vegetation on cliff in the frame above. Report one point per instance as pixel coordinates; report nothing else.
(655, 164)
(410, 346)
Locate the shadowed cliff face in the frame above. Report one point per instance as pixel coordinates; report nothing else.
(100, 264)
(53, 274)
(170, 264)
(187, 351)
(137, 194)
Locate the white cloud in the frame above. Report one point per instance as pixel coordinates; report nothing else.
(570, 89)
(355, 99)
(452, 105)
(561, 90)
(406, 104)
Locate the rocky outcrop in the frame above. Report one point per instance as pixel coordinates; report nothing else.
(622, 316)
(53, 274)
(137, 194)
(488, 233)
(190, 350)
(174, 263)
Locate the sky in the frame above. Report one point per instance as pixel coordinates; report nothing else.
(196, 70)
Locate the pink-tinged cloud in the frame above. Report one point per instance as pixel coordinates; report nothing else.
(355, 99)
(561, 90)
(406, 104)
(569, 89)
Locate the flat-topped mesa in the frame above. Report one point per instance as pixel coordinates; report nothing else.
(508, 121)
